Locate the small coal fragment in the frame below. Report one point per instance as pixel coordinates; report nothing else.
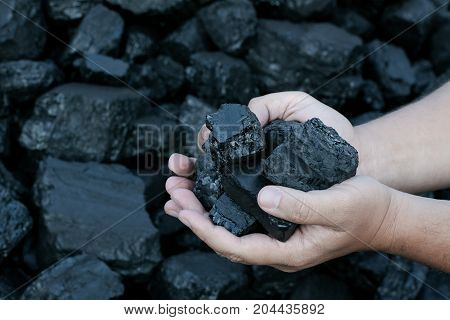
(296, 10)
(285, 55)
(437, 286)
(321, 286)
(166, 225)
(157, 7)
(230, 24)
(69, 10)
(440, 49)
(19, 37)
(192, 116)
(15, 222)
(242, 186)
(191, 37)
(218, 78)
(437, 83)
(79, 201)
(424, 75)
(198, 275)
(316, 160)
(235, 133)
(228, 214)
(140, 45)
(23, 80)
(100, 31)
(365, 117)
(403, 280)
(279, 131)
(353, 22)
(372, 96)
(391, 68)
(81, 277)
(405, 15)
(208, 184)
(103, 113)
(101, 69)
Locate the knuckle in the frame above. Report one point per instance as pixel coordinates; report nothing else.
(301, 210)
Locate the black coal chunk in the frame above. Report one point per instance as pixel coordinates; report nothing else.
(228, 214)
(103, 114)
(79, 201)
(23, 80)
(424, 75)
(219, 78)
(230, 24)
(242, 185)
(354, 22)
(272, 283)
(189, 38)
(399, 16)
(166, 225)
(101, 69)
(208, 184)
(315, 160)
(15, 222)
(235, 133)
(312, 287)
(192, 116)
(285, 57)
(157, 7)
(69, 10)
(437, 288)
(140, 45)
(9, 181)
(403, 280)
(391, 68)
(198, 275)
(5, 112)
(81, 277)
(296, 9)
(19, 37)
(279, 131)
(365, 117)
(440, 49)
(372, 96)
(100, 31)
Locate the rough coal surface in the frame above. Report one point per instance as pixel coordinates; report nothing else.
(228, 214)
(189, 38)
(81, 277)
(354, 23)
(279, 131)
(15, 222)
(69, 10)
(297, 10)
(166, 225)
(100, 31)
(208, 184)
(218, 78)
(81, 122)
(285, 55)
(140, 45)
(23, 80)
(192, 116)
(271, 283)
(315, 160)
(155, 7)
(101, 69)
(440, 49)
(198, 275)
(437, 288)
(424, 75)
(16, 189)
(230, 24)
(242, 185)
(372, 96)
(312, 287)
(71, 215)
(392, 70)
(235, 133)
(19, 37)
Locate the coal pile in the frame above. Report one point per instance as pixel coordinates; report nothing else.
(91, 111)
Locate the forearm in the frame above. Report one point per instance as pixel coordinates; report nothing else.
(409, 149)
(419, 229)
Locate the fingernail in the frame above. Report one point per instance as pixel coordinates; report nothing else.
(269, 197)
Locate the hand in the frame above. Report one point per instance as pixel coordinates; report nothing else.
(254, 249)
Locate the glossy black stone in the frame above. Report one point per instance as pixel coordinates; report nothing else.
(228, 214)
(242, 186)
(315, 160)
(81, 277)
(235, 133)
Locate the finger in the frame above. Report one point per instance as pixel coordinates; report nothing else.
(187, 200)
(315, 207)
(174, 183)
(172, 209)
(203, 135)
(181, 165)
(254, 249)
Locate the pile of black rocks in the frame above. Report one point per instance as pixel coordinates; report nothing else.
(91, 110)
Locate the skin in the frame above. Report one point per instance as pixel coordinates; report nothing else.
(405, 151)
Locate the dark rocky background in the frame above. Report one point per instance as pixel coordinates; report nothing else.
(83, 143)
